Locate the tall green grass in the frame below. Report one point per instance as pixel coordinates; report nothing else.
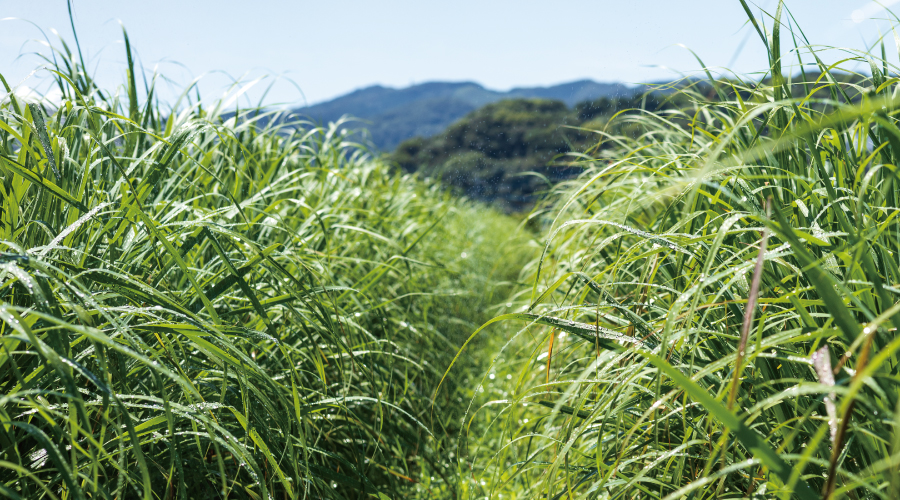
(195, 305)
(714, 312)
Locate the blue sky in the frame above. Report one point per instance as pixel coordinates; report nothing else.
(332, 47)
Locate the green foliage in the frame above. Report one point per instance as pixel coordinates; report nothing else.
(391, 116)
(714, 313)
(194, 307)
(511, 151)
(196, 303)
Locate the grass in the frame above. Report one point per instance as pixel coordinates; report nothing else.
(714, 311)
(197, 306)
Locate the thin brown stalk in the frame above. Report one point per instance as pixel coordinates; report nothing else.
(749, 312)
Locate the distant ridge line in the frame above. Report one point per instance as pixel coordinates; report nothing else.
(392, 115)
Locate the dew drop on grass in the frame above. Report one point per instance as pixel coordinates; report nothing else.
(464, 255)
(492, 376)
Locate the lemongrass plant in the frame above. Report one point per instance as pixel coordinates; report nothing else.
(714, 313)
(198, 303)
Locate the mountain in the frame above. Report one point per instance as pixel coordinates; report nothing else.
(393, 115)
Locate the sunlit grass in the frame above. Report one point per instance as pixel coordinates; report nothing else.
(714, 312)
(197, 306)
(202, 305)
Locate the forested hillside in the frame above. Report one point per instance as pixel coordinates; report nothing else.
(509, 152)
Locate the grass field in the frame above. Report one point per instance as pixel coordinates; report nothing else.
(195, 305)
(714, 312)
